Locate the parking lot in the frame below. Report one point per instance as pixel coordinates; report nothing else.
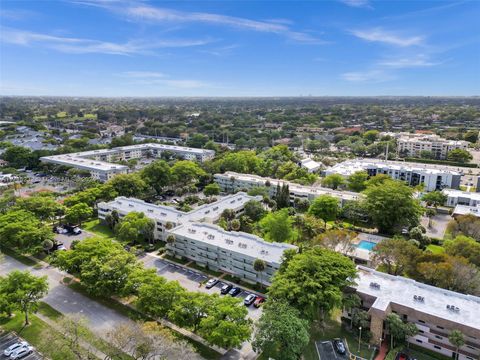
(326, 351)
(190, 279)
(9, 339)
(66, 239)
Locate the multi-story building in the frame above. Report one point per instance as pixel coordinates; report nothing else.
(166, 217)
(462, 210)
(435, 312)
(232, 181)
(458, 197)
(413, 144)
(432, 177)
(197, 239)
(100, 162)
(230, 251)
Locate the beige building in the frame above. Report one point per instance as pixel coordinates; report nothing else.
(413, 144)
(435, 312)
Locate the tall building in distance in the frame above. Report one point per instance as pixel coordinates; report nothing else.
(412, 145)
(432, 177)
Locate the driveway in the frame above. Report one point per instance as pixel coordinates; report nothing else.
(66, 239)
(439, 225)
(191, 280)
(326, 351)
(8, 339)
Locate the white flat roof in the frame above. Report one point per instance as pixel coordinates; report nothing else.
(349, 167)
(400, 290)
(168, 213)
(82, 159)
(293, 187)
(463, 194)
(310, 164)
(240, 242)
(467, 210)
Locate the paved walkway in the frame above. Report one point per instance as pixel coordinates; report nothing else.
(383, 351)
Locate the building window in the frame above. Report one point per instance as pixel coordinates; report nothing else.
(440, 327)
(438, 337)
(437, 347)
(421, 321)
(419, 341)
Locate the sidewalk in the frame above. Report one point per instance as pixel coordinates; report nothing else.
(383, 351)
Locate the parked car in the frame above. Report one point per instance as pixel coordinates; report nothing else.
(14, 347)
(59, 246)
(259, 301)
(211, 283)
(403, 356)
(339, 346)
(76, 231)
(225, 289)
(22, 352)
(234, 291)
(249, 300)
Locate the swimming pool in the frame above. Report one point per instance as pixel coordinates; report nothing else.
(366, 245)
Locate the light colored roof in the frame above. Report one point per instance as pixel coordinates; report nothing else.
(81, 159)
(208, 212)
(463, 194)
(349, 167)
(240, 242)
(400, 290)
(467, 210)
(310, 164)
(293, 187)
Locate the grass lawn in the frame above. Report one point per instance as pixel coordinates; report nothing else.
(436, 249)
(33, 334)
(23, 259)
(203, 350)
(246, 285)
(425, 354)
(178, 261)
(333, 329)
(94, 226)
(205, 270)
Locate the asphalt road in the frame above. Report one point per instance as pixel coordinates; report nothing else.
(190, 280)
(8, 339)
(326, 351)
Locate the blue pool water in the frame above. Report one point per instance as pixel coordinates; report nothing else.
(367, 245)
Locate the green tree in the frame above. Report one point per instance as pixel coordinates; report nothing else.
(156, 298)
(357, 181)
(313, 281)
(189, 311)
(280, 332)
(19, 157)
(370, 136)
(333, 181)
(78, 213)
(211, 189)
(43, 205)
(277, 226)
(459, 155)
(157, 174)
(23, 291)
(457, 339)
(471, 136)
(325, 207)
(435, 198)
(378, 179)
(392, 206)
(352, 302)
(226, 324)
(259, 266)
(282, 196)
(22, 230)
(254, 210)
(395, 328)
(135, 227)
(464, 246)
(396, 255)
(186, 172)
(129, 185)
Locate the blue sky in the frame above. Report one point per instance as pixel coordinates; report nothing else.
(239, 48)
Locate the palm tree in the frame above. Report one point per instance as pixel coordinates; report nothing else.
(259, 266)
(351, 302)
(235, 224)
(430, 213)
(457, 339)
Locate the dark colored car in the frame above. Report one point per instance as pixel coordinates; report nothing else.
(339, 346)
(211, 283)
(402, 356)
(225, 289)
(249, 300)
(259, 301)
(234, 291)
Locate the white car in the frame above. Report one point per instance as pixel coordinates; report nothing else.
(22, 352)
(12, 348)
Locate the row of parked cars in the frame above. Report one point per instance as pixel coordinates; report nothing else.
(18, 350)
(231, 290)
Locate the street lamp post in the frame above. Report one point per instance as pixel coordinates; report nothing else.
(359, 338)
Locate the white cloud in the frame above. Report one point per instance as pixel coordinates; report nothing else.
(357, 3)
(85, 46)
(372, 76)
(147, 13)
(387, 37)
(408, 62)
(143, 74)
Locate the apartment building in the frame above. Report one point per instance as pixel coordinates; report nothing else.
(435, 312)
(432, 177)
(101, 165)
(168, 217)
(232, 181)
(458, 197)
(413, 144)
(229, 251)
